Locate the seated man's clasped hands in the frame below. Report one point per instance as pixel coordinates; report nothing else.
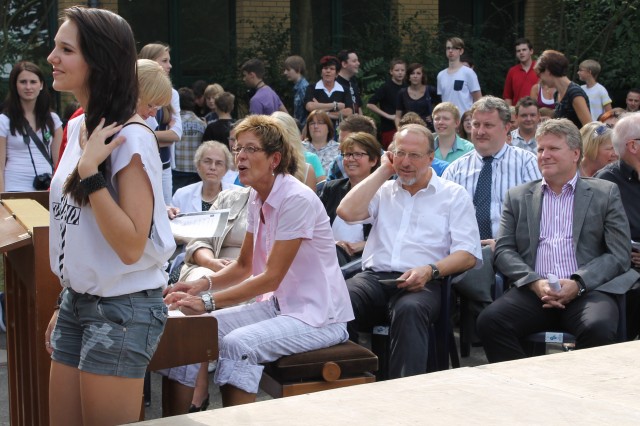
(423, 229)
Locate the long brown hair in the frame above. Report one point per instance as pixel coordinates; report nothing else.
(108, 47)
(13, 107)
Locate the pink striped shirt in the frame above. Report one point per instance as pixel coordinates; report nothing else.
(555, 253)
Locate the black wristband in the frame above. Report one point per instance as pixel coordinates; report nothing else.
(93, 183)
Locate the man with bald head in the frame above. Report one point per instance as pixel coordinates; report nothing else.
(624, 173)
(423, 229)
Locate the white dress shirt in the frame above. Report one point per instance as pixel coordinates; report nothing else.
(411, 231)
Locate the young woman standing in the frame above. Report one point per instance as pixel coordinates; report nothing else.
(109, 233)
(30, 133)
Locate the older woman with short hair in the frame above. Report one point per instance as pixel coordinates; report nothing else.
(597, 148)
(287, 258)
(212, 160)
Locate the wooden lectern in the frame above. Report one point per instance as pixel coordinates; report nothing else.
(31, 292)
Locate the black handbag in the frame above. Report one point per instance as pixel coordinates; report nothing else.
(42, 181)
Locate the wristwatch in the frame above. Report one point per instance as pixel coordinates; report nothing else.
(582, 289)
(209, 303)
(435, 272)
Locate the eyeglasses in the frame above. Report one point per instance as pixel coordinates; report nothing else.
(317, 123)
(413, 156)
(601, 129)
(248, 149)
(356, 155)
(452, 48)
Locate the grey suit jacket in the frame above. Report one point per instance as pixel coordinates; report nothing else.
(601, 238)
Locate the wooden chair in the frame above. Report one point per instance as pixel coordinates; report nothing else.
(338, 366)
(185, 340)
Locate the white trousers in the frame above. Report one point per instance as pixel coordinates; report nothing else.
(249, 335)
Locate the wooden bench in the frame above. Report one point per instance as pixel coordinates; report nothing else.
(346, 364)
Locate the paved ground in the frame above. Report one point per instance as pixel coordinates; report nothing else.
(154, 411)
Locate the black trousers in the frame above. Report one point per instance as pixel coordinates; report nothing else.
(409, 315)
(592, 318)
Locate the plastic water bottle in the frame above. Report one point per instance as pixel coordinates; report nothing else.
(554, 282)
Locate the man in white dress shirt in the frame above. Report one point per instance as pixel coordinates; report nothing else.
(423, 229)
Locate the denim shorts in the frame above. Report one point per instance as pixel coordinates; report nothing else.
(113, 336)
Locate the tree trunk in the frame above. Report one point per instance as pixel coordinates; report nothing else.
(305, 29)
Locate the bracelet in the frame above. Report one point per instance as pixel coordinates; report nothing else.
(335, 106)
(210, 282)
(93, 183)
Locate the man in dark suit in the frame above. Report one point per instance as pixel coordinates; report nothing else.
(625, 174)
(567, 226)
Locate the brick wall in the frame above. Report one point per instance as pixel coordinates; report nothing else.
(258, 12)
(111, 5)
(427, 11)
(534, 14)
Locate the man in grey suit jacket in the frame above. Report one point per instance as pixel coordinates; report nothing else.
(564, 225)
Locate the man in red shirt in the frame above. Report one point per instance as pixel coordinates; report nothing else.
(521, 77)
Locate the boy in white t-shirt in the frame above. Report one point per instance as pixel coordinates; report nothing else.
(458, 84)
(599, 100)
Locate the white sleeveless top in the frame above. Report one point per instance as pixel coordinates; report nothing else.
(79, 254)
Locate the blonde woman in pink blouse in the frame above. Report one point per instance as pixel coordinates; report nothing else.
(287, 258)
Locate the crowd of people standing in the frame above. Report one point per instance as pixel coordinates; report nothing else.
(451, 183)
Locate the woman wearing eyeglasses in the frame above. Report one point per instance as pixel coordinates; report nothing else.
(287, 258)
(361, 156)
(597, 148)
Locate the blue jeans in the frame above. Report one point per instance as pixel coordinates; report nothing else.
(113, 336)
